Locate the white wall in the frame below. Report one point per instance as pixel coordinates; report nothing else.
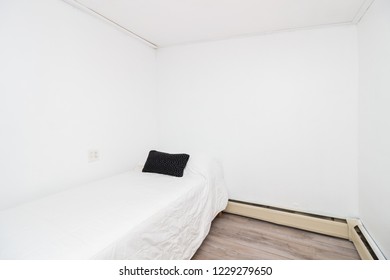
(374, 122)
(279, 110)
(69, 82)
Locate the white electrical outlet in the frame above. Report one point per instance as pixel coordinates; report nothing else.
(93, 155)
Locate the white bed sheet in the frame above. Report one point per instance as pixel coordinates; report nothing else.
(133, 215)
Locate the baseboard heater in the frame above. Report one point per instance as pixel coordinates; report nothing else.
(350, 229)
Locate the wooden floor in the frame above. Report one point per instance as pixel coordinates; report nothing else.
(241, 238)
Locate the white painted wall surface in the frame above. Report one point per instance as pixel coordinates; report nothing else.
(279, 110)
(69, 82)
(374, 122)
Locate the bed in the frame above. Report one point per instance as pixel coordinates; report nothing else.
(133, 215)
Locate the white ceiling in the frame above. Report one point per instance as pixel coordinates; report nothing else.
(171, 22)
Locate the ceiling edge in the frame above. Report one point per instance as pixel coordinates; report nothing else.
(248, 35)
(76, 4)
(362, 11)
(359, 15)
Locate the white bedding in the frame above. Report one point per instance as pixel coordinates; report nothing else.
(133, 215)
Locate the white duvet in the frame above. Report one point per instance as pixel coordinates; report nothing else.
(133, 215)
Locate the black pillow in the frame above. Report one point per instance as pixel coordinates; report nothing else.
(167, 164)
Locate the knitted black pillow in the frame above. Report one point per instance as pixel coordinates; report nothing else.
(164, 163)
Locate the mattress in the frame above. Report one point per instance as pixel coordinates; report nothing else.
(133, 215)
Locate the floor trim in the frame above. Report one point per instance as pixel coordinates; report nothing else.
(318, 224)
(315, 223)
(364, 244)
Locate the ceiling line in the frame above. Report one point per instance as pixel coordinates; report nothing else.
(360, 14)
(91, 11)
(363, 10)
(263, 33)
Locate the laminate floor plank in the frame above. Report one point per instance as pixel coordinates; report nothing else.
(236, 237)
(292, 233)
(285, 238)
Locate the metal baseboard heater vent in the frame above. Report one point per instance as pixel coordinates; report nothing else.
(365, 245)
(350, 229)
(292, 211)
(365, 242)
